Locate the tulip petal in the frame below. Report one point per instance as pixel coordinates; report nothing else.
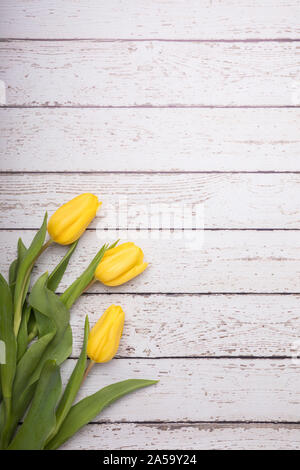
(69, 222)
(135, 271)
(118, 261)
(104, 337)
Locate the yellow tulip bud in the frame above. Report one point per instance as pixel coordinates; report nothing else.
(69, 222)
(104, 337)
(120, 264)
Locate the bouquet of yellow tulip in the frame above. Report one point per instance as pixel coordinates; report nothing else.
(35, 329)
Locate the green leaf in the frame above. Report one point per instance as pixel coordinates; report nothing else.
(28, 372)
(40, 420)
(49, 308)
(21, 250)
(57, 274)
(24, 271)
(80, 284)
(88, 408)
(22, 339)
(55, 343)
(2, 421)
(13, 269)
(32, 327)
(29, 367)
(73, 385)
(18, 412)
(7, 370)
(55, 340)
(113, 244)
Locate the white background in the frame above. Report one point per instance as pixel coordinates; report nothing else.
(169, 101)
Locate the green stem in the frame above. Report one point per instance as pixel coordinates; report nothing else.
(88, 369)
(69, 302)
(89, 285)
(19, 305)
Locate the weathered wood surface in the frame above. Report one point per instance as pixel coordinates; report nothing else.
(150, 139)
(92, 73)
(157, 200)
(198, 325)
(179, 19)
(186, 55)
(127, 436)
(200, 389)
(228, 261)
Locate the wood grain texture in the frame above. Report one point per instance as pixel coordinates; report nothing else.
(222, 359)
(200, 389)
(197, 325)
(228, 261)
(191, 19)
(150, 139)
(154, 436)
(117, 73)
(157, 200)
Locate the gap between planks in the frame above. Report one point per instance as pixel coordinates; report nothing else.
(144, 172)
(147, 106)
(91, 39)
(149, 358)
(239, 435)
(186, 423)
(205, 229)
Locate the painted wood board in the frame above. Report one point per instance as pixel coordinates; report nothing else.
(225, 77)
(202, 436)
(194, 139)
(197, 325)
(200, 389)
(191, 19)
(155, 201)
(117, 73)
(227, 262)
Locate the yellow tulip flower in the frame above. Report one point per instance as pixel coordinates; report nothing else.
(120, 264)
(104, 337)
(69, 222)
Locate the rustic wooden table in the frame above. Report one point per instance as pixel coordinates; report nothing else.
(169, 102)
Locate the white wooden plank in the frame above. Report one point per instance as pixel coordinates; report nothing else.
(200, 389)
(157, 200)
(138, 436)
(228, 261)
(178, 19)
(197, 325)
(150, 139)
(150, 73)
